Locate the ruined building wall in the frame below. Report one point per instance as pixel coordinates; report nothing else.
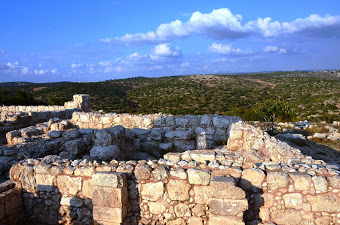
(194, 187)
(165, 132)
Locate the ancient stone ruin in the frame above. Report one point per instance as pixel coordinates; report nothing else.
(115, 169)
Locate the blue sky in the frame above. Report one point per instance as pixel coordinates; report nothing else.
(58, 40)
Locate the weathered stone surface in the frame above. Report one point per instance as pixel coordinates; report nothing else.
(87, 188)
(152, 191)
(224, 220)
(180, 135)
(293, 200)
(178, 189)
(252, 179)
(84, 171)
(228, 207)
(106, 214)
(44, 182)
(182, 210)
(179, 173)
(276, 180)
(71, 201)
(202, 155)
(69, 185)
(108, 179)
(289, 217)
(157, 207)
(106, 153)
(202, 194)
(224, 188)
(326, 202)
(142, 172)
(334, 181)
(320, 183)
(198, 210)
(160, 173)
(195, 221)
(302, 182)
(109, 197)
(201, 177)
(178, 221)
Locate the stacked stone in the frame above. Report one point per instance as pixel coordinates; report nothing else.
(165, 132)
(80, 101)
(40, 108)
(194, 187)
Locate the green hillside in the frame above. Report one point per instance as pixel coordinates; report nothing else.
(312, 95)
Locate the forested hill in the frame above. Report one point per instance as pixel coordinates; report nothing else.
(312, 95)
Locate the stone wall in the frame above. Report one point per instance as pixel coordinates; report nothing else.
(165, 132)
(195, 187)
(80, 101)
(11, 205)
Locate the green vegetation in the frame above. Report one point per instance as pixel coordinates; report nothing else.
(311, 95)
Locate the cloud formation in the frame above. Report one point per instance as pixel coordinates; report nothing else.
(224, 49)
(272, 49)
(166, 50)
(223, 24)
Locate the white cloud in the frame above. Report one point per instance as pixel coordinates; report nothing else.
(185, 65)
(54, 71)
(76, 65)
(166, 50)
(226, 49)
(223, 24)
(24, 70)
(40, 72)
(272, 49)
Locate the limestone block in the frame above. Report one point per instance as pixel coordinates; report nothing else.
(182, 145)
(178, 190)
(45, 182)
(221, 122)
(334, 181)
(160, 173)
(152, 191)
(157, 207)
(276, 180)
(165, 146)
(180, 135)
(104, 214)
(302, 182)
(142, 172)
(223, 220)
(252, 179)
(173, 156)
(178, 221)
(109, 179)
(179, 173)
(71, 201)
(182, 210)
(181, 122)
(84, 171)
(205, 120)
(202, 194)
(326, 202)
(103, 138)
(320, 183)
(27, 177)
(69, 185)
(224, 188)
(157, 134)
(194, 122)
(109, 197)
(289, 217)
(226, 207)
(201, 139)
(293, 200)
(170, 121)
(202, 155)
(87, 188)
(105, 153)
(159, 122)
(195, 221)
(201, 177)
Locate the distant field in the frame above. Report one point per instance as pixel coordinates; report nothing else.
(312, 95)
